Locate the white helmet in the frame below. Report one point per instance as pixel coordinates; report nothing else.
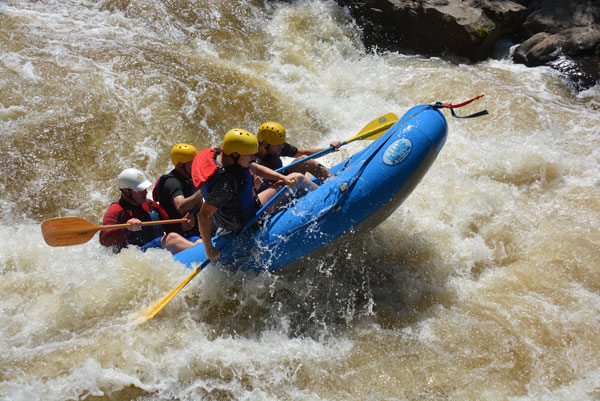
(133, 179)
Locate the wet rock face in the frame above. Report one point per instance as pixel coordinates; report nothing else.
(563, 34)
(583, 72)
(468, 28)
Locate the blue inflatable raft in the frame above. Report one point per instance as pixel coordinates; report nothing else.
(366, 189)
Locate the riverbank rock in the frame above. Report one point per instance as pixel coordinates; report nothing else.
(464, 28)
(562, 34)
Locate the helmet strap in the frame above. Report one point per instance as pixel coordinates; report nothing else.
(125, 193)
(182, 170)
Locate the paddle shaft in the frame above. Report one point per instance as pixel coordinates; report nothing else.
(313, 156)
(165, 300)
(320, 153)
(65, 231)
(113, 226)
(144, 223)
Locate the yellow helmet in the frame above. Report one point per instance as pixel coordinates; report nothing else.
(271, 132)
(183, 153)
(239, 141)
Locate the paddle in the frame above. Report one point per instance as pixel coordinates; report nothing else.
(63, 231)
(372, 130)
(150, 313)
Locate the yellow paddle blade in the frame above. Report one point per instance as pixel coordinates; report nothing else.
(375, 128)
(63, 231)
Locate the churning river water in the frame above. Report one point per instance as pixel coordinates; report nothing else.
(483, 285)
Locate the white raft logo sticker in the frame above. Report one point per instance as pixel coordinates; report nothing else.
(397, 152)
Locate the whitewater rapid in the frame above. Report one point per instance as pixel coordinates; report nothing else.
(483, 285)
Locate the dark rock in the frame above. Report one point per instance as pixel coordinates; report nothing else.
(554, 16)
(563, 34)
(468, 28)
(544, 47)
(524, 49)
(583, 72)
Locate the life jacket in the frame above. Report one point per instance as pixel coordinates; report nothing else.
(271, 161)
(156, 190)
(204, 167)
(274, 162)
(147, 233)
(162, 186)
(206, 171)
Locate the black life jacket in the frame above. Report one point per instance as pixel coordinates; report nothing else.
(156, 190)
(206, 171)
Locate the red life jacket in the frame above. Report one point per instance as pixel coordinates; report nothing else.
(204, 167)
(147, 211)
